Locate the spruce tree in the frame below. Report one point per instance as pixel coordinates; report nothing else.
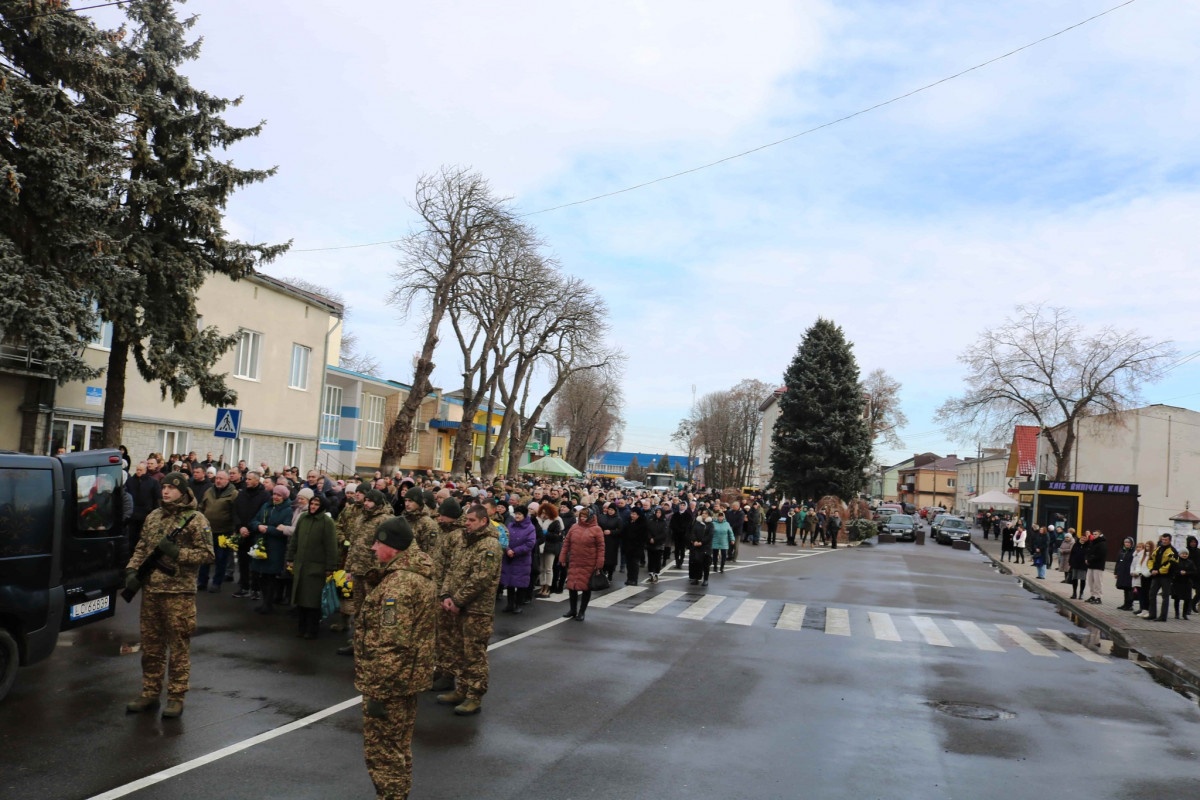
(820, 443)
(664, 464)
(171, 221)
(61, 88)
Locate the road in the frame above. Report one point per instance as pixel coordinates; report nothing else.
(888, 672)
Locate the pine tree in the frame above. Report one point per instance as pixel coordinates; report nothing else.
(634, 471)
(820, 443)
(664, 464)
(61, 87)
(170, 221)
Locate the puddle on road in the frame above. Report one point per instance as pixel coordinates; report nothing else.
(978, 711)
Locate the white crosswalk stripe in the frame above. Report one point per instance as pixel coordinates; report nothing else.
(746, 612)
(658, 602)
(606, 600)
(932, 633)
(792, 618)
(702, 607)
(837, 621)
(883, 626)
(976, 636)
(1025, 641)
(1075, 647)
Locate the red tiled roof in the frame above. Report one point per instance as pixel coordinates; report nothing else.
(1025, 447)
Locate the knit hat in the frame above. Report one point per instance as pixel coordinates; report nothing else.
(281, 490)
(377, 497)
(178, 480)
(450, 508)
(395, 533)
(431, 500)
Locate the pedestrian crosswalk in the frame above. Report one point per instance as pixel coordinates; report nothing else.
(883, 626)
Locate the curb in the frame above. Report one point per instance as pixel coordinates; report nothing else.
(1163, 661)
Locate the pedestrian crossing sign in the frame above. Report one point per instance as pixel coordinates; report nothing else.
(229, 423)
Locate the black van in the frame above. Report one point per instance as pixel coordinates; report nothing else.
(62, 550)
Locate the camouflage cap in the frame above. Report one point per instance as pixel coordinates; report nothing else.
(176, 479)
(395, 533)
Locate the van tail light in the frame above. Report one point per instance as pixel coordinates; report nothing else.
(114, 459)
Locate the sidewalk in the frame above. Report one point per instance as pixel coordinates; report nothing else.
(1173, 645)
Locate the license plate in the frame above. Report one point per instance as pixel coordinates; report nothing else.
(90, 607)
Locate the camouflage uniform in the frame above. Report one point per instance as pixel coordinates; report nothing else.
(472, 576)
(394, 640)
(360, 561)
(346, 522)
(448, 540)
(168, 614)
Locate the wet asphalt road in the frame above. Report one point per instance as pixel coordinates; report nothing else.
(633, 704)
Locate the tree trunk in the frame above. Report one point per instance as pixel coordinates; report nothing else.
(114, 391)
(1063, 457)
(396, 444)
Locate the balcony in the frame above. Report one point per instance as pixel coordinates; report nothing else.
(16, 357)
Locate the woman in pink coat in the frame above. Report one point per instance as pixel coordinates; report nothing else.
(582, 554)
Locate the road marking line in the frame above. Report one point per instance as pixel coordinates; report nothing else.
(1024, 641)
(604, 601)
(1075, 647)
(275, 733)
(977, 637)
(837, 621)
(702, 607)
(883, 626)
(932, 633)
(658, 602)
(792, 618)
(746, 612)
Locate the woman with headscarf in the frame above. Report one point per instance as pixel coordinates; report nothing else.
(271, 528)
(312, 556)
(518, 557)
(582, 555)
(1123, 571)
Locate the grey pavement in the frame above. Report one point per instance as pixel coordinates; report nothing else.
(896, 671)
(1173, 645)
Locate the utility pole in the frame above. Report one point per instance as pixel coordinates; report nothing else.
(978, 467)
(1037, 483)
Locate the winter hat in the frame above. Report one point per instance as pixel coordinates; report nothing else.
(430, 501)
(281, 490)
(377, 497)
(450, 508)
(395, 533)
(521, 509)
(305, 494)
(178, 480)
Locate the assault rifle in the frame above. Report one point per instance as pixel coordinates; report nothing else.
(155, 561)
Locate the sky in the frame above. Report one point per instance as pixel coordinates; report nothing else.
(1065, 174)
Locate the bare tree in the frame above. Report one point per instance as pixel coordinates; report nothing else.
(685, 436)
(1040, 367)
(350, 355)
(726, 425)
(589, 408)
(459, 217)
(883, 407)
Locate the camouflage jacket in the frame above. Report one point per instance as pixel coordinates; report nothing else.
(195, 547)
(426, 535)
(473, 572)
(394, 632)
(361, 533)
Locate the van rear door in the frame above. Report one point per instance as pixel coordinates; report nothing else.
(94, 547)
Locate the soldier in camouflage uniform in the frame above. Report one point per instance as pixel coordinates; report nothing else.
(424, 529)
(168, 613)
(468, 596)
(394, 637)
(360, 561)
(447, 539)
(346, 522)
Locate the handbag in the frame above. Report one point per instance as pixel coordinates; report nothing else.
(330, 599)
(598, 581)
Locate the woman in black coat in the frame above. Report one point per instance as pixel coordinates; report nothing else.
(633, 544)
(681, 527)
(1124, 577)
(1006, 543)
(610, 526)
(1186, 571)
(700, 547)
(656, 538)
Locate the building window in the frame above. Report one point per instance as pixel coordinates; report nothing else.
(371, 434)
(331, 415)
(950, 482)
(438, 463)
(414, 436)
(299, 376)
(172, 441)
(247, 355)
(241, 450)
(293, 454)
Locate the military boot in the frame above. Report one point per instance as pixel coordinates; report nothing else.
(451, 698)
(469, 706)
(174, 708)
(445, 683)
(143, 703)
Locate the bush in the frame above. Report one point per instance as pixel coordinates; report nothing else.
(859, 529)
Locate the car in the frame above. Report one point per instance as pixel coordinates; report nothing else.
(953, 529)
(934, 520)
(908, 508)
(902, 526)
(933, 511)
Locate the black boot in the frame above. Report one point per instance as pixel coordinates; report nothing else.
(582, 609)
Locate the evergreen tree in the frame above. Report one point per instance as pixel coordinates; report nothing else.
(821, 444)
(170, 221)
(634, 471)
(60, 92)
(664, 464)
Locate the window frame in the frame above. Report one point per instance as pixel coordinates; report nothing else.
(331, 421)
(306, 351)
(371, 425)
(255, 356)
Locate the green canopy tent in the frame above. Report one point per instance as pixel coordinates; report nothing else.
(551, 465)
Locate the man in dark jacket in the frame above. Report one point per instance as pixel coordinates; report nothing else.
(680, 527)
(1097, 556)
(217, 507)
(700, 541)
(1037, 544)
(147, 493)
(199, 482)
(246, 505)
(736, 518)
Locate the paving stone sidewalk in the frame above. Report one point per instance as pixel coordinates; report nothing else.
(1173, 645)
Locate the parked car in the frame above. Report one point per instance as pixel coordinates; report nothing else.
(908, 508)
(902, 526)
(953, 529)
(934, 520)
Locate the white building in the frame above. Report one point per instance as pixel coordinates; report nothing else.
(980, 475)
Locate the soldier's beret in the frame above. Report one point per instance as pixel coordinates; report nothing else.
(450, 508)
(395, 533)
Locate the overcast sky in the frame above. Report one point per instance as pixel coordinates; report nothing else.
(1067, 173)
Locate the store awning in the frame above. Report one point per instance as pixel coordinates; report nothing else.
(993, 498)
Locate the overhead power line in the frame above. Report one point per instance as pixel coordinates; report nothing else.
(777, 142)
(68, 11)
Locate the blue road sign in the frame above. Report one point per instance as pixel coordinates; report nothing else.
(229, 423)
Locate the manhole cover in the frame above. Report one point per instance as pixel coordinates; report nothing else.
(970, 710)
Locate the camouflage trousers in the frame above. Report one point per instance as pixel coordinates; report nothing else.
(168, 622)
(462, 643)
(387, 747)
